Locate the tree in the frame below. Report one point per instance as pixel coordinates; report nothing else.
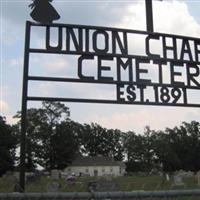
(65, 143)
(178, 148)
(166, 158)
(187, 145)
(193, 145)
(133, 145)
(41, 131)
(139, 150)
(36, 125)
(97, 140)
(179, 141)
(55, 113)
(7, 147)
(115, 147)
(149, 154)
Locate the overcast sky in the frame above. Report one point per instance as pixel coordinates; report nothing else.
(170, 16)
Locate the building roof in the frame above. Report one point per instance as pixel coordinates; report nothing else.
(95, 161)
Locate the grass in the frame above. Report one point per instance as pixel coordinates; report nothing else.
(127, 183)
(6, 185)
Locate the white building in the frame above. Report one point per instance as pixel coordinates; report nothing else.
(96, 166)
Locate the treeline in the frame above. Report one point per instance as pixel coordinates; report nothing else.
(53, 141)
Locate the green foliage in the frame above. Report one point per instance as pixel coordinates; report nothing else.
(42, 124)
(169, 150)
(7, 147)
(65, 144)
(53, 141)
(101, 141)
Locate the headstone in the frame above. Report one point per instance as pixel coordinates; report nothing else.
(108, 178)
(108, 186)
(53, 187)
(178, 180)
(189, 174)
(55, 174)
(63, 175)
(103, 186)
(198, 178)
(167, 177)
(92, 186)
(185, 174)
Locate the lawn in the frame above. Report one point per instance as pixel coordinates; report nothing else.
(127, 183)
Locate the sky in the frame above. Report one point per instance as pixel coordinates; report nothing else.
(180, 17)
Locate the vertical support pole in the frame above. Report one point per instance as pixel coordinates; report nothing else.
(149, 15)
(24, 109)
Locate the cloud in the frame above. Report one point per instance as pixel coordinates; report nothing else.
(13, 19)
(100, 13)
(52, 64)
(11, 120)
(15, 12)
(169, 16)
(156, 117)
(133, 17)
(4, 107)
(44, 89)
(16, 62)
(5, 111)
(71, 90)
(174, 17)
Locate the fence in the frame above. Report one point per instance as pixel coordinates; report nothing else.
(170, 194)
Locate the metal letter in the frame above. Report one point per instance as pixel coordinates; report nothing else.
(103, 68)
(95, 43)
(80, 61)
(78, 42)
(148, 38)
(48, 46)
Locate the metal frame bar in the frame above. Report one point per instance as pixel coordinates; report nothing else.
(76, 80)
(149, 15)
(24, 108)
(102, 101)
(108, 54)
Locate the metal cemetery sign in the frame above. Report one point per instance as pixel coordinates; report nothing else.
(165, 70)
(143, 67)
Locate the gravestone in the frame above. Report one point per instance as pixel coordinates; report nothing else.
(198, 178)
(55, 174)
(108, 178)
(189, 174)
(178, 180)
(185, 174)
(103, 186)
(167, 177)
(108, 186)
(53, 187)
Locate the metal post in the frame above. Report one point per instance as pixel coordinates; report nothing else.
(24, 109)
(149, 15)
